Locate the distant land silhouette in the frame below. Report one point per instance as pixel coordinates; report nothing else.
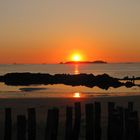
(84, 62)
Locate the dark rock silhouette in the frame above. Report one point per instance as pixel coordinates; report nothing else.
(103, 81)
(129, 84)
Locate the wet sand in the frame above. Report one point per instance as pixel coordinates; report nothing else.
(19, 106)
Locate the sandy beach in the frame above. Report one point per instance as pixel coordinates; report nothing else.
(19, 106)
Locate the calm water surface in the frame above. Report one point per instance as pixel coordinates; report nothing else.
(115, 70)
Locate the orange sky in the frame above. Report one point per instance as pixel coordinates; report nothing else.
(52, 31)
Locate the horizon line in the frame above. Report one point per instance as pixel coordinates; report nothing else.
(129, 62)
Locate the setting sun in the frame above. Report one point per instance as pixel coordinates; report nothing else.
(76, 57)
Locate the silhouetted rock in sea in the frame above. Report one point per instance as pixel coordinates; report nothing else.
(129, 84)
(103, 81)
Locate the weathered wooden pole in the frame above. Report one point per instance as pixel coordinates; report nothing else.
(121, 123)
(21, 127)
(97, 121)
(77, 121)
(111, 107)
(55, 123)
(130, 106)
(31, 124)
(8, 124)
(69, 121)
(48, 125)
(117, 124)
(131, 125)
(52, 124)
(89, 121)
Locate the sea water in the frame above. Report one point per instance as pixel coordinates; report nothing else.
(59, 90)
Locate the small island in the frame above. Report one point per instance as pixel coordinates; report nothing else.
(84, 62)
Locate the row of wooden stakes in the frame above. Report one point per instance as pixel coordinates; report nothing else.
(123, 124)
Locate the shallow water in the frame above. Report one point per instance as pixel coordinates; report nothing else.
(63, 91)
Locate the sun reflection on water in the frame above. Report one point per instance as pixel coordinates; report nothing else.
(76, 69)
(76, 95)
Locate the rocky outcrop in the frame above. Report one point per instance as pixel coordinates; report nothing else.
(103, 81)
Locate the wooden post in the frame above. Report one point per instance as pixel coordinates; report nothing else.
(97, 121)
(111, 107)
(126, 124)
(55, 123)
(121, 123)
(8, 124)
(77, 122)
(135, 125)
(31, 124)
(117, 124)
(131, 125)
(52, 124)
(89, 122)
(48, 125)
(21, 127)
(130, 106)
(69, 121)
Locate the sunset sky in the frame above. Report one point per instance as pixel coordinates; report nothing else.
(51, 31)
